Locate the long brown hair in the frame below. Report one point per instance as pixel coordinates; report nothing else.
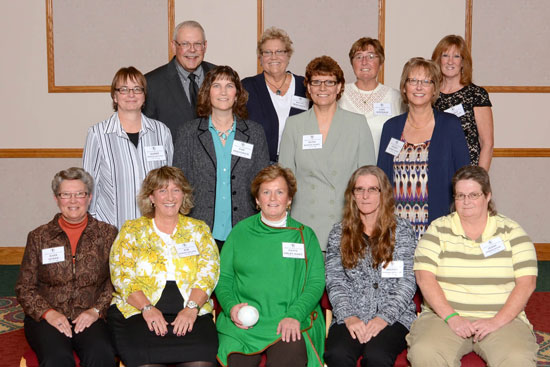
(382, 240)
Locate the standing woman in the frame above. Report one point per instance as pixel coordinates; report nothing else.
(121, 150)
(322, 147)
(371, 250)
(276, 93)
(221, 152)
(421, 150)
(367, 96)
(459, 96)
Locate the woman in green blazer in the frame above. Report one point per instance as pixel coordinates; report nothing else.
(323, 147)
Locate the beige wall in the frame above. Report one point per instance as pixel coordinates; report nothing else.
(33, 118)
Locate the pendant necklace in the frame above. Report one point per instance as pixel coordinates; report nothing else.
(278, 91)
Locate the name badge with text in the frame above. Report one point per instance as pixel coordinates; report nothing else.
(300, 103)
(393, 270)
(53, 255)
(314, 141)
(155, 153)
(242, 149)
(294, 250)
(493, 246)
(394, 146)
(382, 109)
(187, 249)
(457, 110)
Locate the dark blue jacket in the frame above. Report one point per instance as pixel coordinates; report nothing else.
(447, 153)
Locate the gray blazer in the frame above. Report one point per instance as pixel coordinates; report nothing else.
(195, 154)
(323, 174)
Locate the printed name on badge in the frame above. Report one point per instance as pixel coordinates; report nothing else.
(155, 153)
(493, 246)
(314, 141)
(242, 149)
(393, 270)
(187, 249)
(382, 109)
(457, 110)
(53, 255)
(394, 146)
(294, 250)
(300, 103)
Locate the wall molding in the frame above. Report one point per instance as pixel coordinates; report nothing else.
(77, 153)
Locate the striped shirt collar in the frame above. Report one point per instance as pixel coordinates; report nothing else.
(488, 232)
(115, 127)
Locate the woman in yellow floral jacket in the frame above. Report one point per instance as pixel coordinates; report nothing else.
(164, 267)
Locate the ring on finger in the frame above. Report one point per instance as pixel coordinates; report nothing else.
(153, 322)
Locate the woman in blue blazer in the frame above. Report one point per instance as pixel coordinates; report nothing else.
(422, 149)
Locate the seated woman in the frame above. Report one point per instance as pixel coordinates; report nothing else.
(476, 270)
(370, 280)
(164, 267)
(64, 286)
(274, 263)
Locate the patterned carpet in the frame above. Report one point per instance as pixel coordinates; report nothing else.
(11, 315)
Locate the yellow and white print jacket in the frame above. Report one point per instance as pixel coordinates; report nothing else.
(137, 262)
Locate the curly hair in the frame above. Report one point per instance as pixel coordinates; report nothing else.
(270, 173)
(382, 240)
(324, 65)
(159, 178)
(274, 33)
(222, 72)
(445, 45)
(430, 67)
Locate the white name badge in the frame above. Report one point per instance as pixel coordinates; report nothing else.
(187, 249)
(300, 103)
(53, 255)
(314, 141)
(493, 246)
(393, 270)
(294, 250)
(155, 153)
(242, 149)
(382, 109)
(394, 146)
(457, 110)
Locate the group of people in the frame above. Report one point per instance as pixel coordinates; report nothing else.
(301, 184)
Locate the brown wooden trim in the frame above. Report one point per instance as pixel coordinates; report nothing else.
(543, 251)
(171, 26)
(260, 18)
(382, 33)
(521, 152)
(49, 45)
(468, 31)
(517, 89)
(41, 153)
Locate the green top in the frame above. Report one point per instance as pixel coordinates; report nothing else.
(253, 270)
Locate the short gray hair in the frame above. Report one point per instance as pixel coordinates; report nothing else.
(190, 24)
(73, 173)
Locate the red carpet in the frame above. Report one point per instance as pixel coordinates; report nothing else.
(12, 347)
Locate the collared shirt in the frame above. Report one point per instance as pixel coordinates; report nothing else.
(222, 207)
(119, 168)
(184, 77)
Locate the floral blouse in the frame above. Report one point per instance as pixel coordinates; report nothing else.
(137, 262)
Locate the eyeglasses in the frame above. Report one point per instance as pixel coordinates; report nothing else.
(360, 191)
(68, 195)
(424, 82)
(369, 56)
(470, 196)
(269, 53)
(327, 83)
(126, 90)
(199, 46)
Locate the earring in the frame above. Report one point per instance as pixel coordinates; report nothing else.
(257, 207)
(288, 207)
(152, 204)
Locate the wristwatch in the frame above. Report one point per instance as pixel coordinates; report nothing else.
(192, 304)
(147, 307)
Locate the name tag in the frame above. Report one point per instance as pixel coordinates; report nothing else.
(300, 103)
(394, 146)
(382, 109)
(314, 141)
(493, 246)
(187, 249)
(394, 270)
(242, 149)
(53, 255)
(294, 250)
(457, 110)
(155, 153)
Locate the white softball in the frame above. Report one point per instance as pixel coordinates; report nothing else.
(248, 315)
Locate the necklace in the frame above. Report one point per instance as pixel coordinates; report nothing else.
(223, 134)
(278, 91)
(409, 120)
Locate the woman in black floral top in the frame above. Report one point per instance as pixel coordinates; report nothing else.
(459, 96)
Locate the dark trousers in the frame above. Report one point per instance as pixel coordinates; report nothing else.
(54, 349)
(341, 350)
(280, 354)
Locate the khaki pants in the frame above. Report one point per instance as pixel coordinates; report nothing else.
(431, 342)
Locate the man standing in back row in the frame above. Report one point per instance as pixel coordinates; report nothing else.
(172, 89)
